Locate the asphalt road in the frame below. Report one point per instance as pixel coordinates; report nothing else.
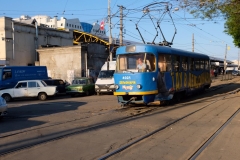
(67, 120)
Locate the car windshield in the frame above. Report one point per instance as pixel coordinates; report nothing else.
(79, 81)
(106, 74)
(137, 62)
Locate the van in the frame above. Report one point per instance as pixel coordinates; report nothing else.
(105, 81)
(10, 75)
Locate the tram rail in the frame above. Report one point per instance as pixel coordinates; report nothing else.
(116, 151)
(44, 140)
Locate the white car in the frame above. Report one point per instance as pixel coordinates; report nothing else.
(3, 107)
(29, 88)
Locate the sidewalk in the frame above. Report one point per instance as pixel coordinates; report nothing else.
(224, 79)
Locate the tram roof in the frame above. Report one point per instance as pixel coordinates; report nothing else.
(161, 49)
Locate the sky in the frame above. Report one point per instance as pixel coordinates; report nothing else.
(209, 36)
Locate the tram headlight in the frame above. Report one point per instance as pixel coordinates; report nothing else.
(139, 86)
(116, 86)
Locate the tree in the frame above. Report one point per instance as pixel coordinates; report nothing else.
(213, 9)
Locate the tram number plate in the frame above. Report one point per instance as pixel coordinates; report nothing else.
(126, 77)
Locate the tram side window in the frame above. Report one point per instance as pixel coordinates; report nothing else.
(7, 74)
(201, 64)
(176, 62)
(191, 64)
(184, 64)
(164, 63)
(150, 62)
(206, 65)
(197, 64)
(161, 63)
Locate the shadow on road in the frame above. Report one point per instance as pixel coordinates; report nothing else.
(19, 117)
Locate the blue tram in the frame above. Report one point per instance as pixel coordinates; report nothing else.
(146, 73)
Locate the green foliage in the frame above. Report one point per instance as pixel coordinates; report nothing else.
(215, 9)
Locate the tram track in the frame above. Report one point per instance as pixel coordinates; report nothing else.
(43, 140)
(125, 147)
(138, 111)
(204, 146)
(73, 132)
(146, 110)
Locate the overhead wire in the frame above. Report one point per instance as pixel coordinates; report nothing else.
(64, 8)
(200, 28)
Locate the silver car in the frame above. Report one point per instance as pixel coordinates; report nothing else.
(236, 73)
(3, 107)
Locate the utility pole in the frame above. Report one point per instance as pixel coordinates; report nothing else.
(110, 30)
(121, 24)
(225, 59)
(238, 58)
(193, 42)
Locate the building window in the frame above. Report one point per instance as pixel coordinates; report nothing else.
(67, 24)
(75, 26)
(61, 24)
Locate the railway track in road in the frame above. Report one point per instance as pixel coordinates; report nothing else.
(8, 149)
(137, 111)
(4, 149)
(194, 156)
(204, 146)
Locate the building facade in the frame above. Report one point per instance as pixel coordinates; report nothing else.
(73, 61)
(64, 24)
(19, 41)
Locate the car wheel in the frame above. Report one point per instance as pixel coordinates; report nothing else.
(42, 96)
(7, 97)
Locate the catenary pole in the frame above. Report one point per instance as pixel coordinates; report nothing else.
(121, 25)
(193, 42)
(110, 30)
(225, 59)
(238, 58)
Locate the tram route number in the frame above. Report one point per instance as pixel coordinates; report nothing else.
(126, 77)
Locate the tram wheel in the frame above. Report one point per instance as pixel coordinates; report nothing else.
(177, 97)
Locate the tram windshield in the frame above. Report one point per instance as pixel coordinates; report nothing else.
(137, 62)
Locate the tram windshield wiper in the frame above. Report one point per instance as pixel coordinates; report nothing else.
(128, 71)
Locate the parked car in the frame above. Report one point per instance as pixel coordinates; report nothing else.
(29, 88)
(3, 107)
(59, 83)
(81, 85)
(236, 72)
